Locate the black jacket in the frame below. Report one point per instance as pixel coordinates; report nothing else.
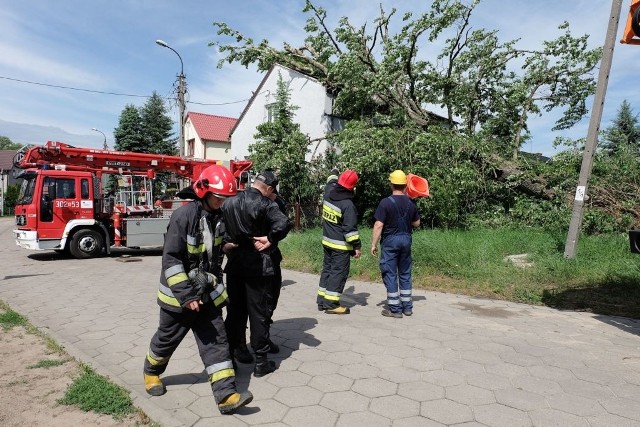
(247, 215)
(185, 249)
(340, 221)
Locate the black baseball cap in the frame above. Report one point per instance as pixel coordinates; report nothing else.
(268, 177)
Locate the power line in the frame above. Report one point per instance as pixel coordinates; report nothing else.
(73, 88)
(114, 93)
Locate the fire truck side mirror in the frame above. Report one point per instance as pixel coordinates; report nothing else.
(244, 177)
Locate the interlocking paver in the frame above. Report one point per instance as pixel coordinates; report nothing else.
(446, 411)
(374, 387)
(312, 415)
(457, 361)
(331, 383)
(345, 402)
(421, 391)
(552, 417)
(500, 415)
(298, 396)
(395, 407)
(363, 419)
(520, 399)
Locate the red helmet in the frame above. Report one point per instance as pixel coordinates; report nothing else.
(215, 179)
(348, 179)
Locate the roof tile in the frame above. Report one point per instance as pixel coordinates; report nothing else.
(212, 128)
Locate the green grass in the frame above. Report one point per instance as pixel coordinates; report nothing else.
(10, 319)
(93, 392)
(603, 278)
(47, 363)
(89, 391)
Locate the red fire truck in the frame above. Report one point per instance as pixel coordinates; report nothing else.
(64, 206)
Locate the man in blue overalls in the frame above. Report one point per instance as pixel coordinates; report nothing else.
(395, 217)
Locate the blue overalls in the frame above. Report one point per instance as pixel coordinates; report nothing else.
(395, 264)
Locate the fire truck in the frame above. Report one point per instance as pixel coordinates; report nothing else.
(64, 203)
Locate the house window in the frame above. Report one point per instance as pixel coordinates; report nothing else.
(271, 112)
(191, 147)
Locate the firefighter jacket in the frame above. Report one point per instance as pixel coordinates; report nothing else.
(193, 241)
(340, 221)
(247, 215)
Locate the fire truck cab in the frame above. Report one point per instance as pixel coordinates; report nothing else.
(64, 206)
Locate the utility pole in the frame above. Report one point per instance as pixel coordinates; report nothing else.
(592, 134)
(182, 90)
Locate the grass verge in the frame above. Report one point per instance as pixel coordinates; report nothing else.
(89, 391)
(603, 278)
(93, 392)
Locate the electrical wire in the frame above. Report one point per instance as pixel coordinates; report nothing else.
(116, 93)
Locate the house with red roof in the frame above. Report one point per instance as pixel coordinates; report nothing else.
(208, 136)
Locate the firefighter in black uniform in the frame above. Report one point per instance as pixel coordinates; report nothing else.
(191, 294)
(254, 223)
(340, 241)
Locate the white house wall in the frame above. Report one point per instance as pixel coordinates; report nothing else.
(218, 151)
(312, 114)
(208, 149)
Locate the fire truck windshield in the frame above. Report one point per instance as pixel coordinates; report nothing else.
(27, 188)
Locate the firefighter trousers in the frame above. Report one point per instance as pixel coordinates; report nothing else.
(249, 298)
(209, 331)
(335, 270)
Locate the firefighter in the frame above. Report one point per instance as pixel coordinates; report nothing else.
(254, 224)
(191, 294)
(340, 241)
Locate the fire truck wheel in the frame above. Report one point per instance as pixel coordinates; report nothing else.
(86, 244)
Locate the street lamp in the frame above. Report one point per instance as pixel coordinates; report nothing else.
(182, 89)
(104, 145)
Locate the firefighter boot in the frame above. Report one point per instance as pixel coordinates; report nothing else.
(153, 385)
(229, 404)
(242, 354)
(263, 366)
(338, 310)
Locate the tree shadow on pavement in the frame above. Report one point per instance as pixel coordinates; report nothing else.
(611, 296)
(290, 335)
(182, 379)
(631, 326)
(286, 283)
(350, 298)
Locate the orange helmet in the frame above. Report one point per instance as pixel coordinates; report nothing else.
(215, 179)
(348, 179)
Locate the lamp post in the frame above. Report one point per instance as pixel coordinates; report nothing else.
(104, 145)
(182, 89)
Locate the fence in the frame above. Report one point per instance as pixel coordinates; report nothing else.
(306, 215)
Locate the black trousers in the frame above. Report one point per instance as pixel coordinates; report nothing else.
(249, 298)
(274, 293)
(211, 337)
(335, 270)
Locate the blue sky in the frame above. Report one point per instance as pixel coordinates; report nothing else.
(109, 46)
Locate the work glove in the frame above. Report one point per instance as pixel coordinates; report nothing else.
(204, 283)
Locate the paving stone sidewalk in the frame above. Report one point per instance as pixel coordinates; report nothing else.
(457, 361)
